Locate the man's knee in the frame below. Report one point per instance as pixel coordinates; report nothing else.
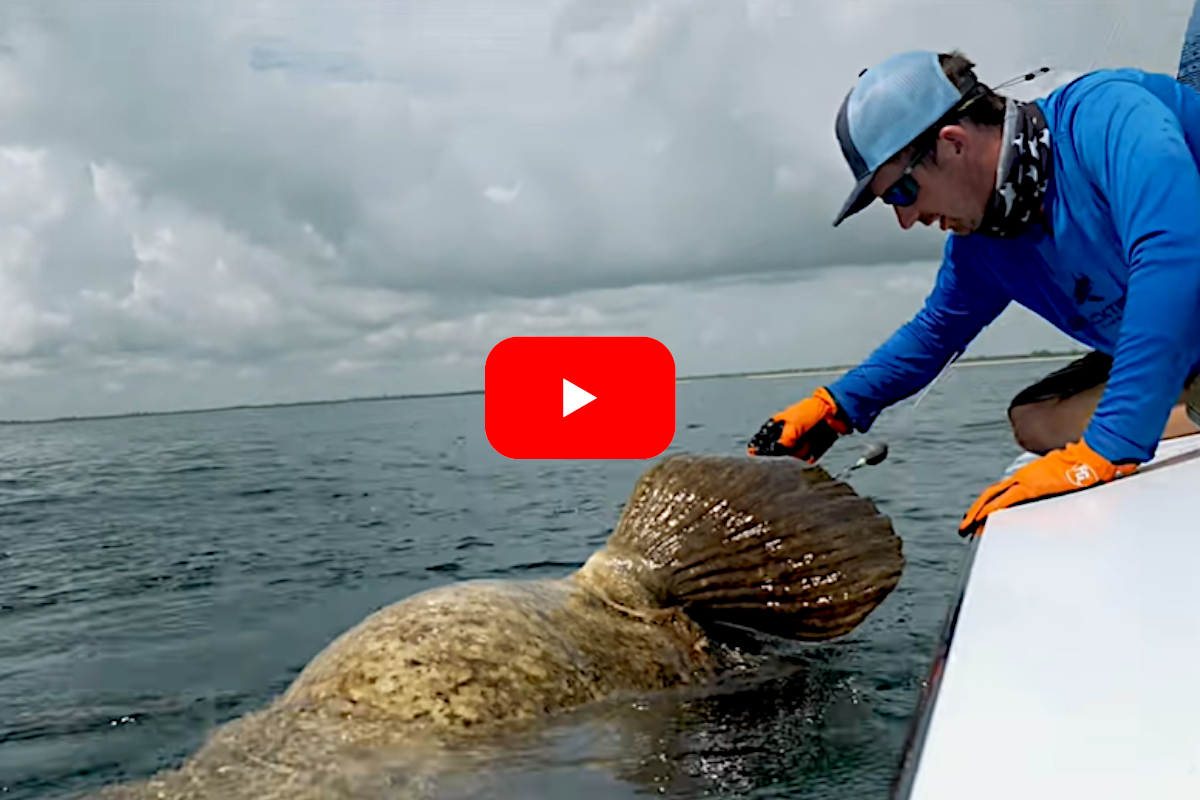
(1034, 429)
(1191, 400)
(1053, 412)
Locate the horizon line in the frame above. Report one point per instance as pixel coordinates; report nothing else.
(1036, 355)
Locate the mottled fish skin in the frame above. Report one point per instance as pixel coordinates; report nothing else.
(769, 544)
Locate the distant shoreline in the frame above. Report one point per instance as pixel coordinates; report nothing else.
(761, 375)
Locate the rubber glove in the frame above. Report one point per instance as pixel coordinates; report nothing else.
(1069, 469)
(804, 430)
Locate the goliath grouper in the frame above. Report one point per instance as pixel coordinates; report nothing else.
(704, 546)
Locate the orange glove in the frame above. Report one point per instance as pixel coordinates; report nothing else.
(1070, 469)
(804, 430)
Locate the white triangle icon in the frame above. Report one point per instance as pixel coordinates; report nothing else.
(574, 398)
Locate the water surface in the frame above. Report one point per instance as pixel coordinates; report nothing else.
(161, 575)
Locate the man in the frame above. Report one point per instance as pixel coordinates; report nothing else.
(1084, 207)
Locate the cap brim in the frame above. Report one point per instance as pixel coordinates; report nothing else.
(859, 198)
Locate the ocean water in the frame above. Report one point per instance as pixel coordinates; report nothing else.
(161, 575)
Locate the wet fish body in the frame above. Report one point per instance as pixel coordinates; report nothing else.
(704, 542)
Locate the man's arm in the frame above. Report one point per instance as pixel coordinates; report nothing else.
(1137, 155)
(963, 302)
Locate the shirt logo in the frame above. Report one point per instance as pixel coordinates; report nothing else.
(1083, 291)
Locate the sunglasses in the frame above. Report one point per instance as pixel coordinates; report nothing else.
(904, 191)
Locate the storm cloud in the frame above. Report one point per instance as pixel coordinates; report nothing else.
(222, 202)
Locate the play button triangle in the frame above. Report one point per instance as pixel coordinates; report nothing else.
(574, 398)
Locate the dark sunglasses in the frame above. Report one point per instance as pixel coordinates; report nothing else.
(904, 191)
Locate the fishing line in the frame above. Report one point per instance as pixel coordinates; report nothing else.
(1118, 23)
(908, 426)
(915, 740)
(877, 453)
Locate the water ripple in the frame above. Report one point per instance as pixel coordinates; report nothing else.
(159, 575)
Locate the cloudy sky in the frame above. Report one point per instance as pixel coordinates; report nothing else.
(251, 201)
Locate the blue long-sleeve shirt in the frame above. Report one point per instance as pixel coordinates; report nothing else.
(1120, 272)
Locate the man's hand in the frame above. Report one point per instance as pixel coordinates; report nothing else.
(804, 430)
(1070, 469)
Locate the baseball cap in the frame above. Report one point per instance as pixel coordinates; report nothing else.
(891, 105)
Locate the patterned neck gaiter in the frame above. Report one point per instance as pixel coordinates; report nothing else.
(1026, 164)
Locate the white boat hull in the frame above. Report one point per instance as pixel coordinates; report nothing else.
(1072, 668)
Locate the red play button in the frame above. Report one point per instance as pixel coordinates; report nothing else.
(579, 397)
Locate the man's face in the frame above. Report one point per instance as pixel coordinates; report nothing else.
(951, 193)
